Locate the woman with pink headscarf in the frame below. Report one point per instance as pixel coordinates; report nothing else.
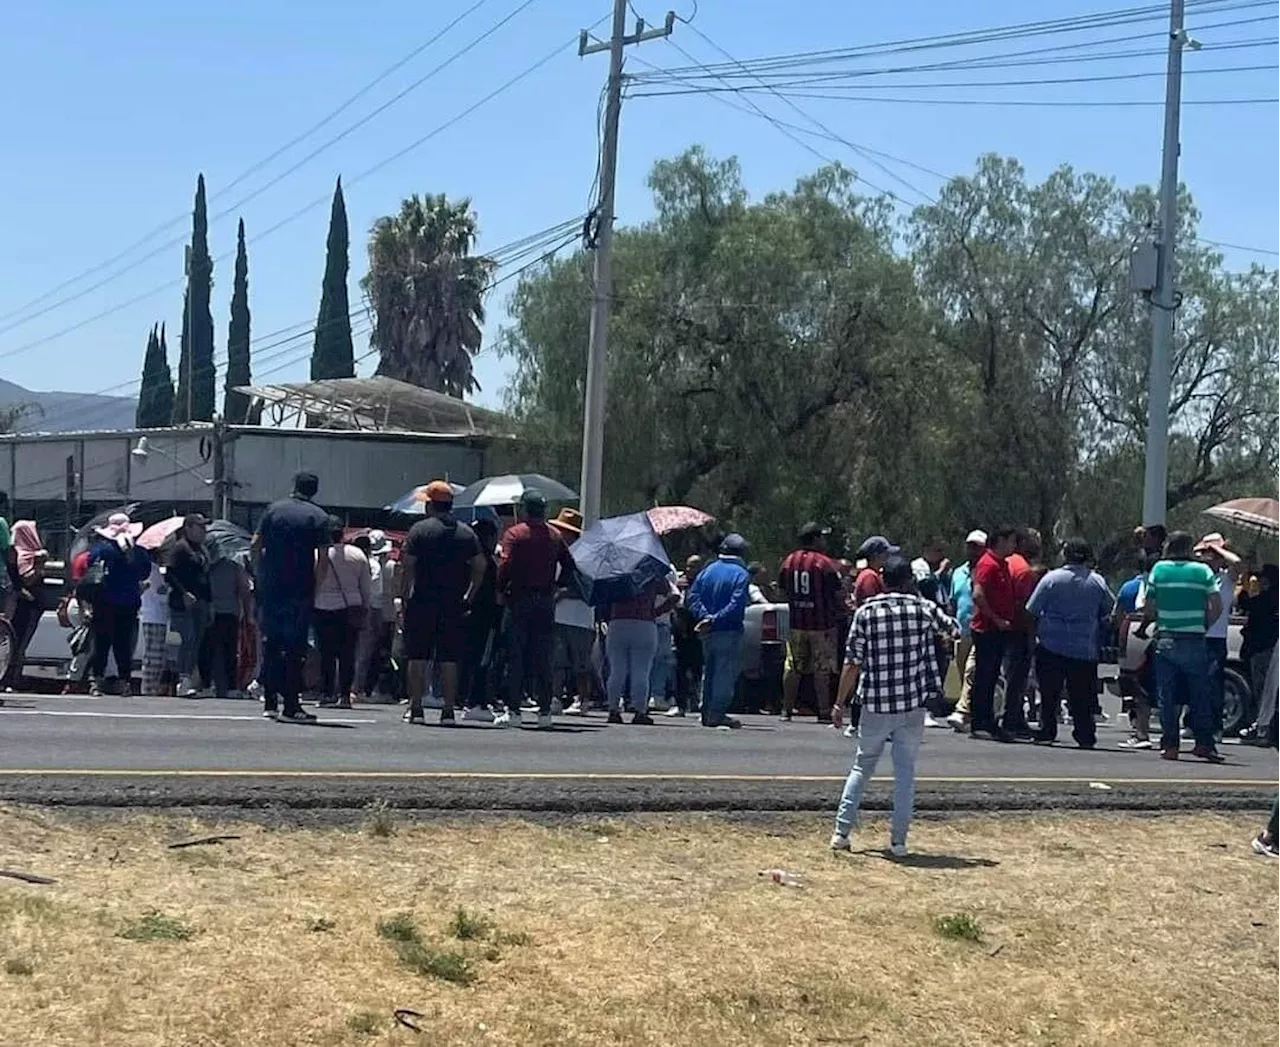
(31, 555)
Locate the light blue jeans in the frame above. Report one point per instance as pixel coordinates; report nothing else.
(721, 664)
(664, 662)
(629, 645)
(905, 731)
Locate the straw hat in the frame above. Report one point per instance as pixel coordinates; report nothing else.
(569, 521)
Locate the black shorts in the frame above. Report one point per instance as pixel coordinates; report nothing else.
(435, 630)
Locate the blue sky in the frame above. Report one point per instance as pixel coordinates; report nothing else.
(112, 109)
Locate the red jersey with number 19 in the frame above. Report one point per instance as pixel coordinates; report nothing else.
(812, 585)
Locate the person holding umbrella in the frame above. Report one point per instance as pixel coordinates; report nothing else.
(535, 557)
(631, 644)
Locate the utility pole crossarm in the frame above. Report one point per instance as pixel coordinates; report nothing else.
(602, 282)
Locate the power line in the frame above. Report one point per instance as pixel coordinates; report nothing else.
(306, 208)
(1238, 247)
(1027, 102)
(561, 234)
(254, 168)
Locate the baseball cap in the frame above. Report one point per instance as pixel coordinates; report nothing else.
(733, 545)
(978, 537)
(439, 492)
(877, 545)
(813, 530)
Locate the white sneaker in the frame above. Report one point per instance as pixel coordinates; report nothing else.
(576, 708)
(851, 731)
(255, 691)
(929, 721)
(186, 689)
(557, 707)
(432, 701)
(675, 710)
(839, 843)
(659, 705)
(956, 720)
(508, 719)
(1102, 717)
(528, 706)
(545, 721)
(898, 850)
(1186, 734)
(479, 714)
(1136, 743)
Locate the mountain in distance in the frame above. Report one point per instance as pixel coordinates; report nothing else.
(66, 412)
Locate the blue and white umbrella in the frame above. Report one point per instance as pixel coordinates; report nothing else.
(618, 558)
(508, 490)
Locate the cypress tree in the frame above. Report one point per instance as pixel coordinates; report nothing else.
(332, 355)
(235, 406)
(155, 396)
(196, 357)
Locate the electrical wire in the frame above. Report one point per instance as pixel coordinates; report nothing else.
(1032, 103)
(254, 168)
(306, 208)
(298, 345)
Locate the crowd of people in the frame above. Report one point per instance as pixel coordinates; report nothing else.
(488, 618)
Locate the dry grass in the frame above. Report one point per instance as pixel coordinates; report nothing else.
(640, 932)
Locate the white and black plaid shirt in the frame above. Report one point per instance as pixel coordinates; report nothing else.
(894, 638)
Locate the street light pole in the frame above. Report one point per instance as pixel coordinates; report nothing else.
(602, 275)
(1163, 298)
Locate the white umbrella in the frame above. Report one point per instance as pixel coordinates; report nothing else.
(508, 490)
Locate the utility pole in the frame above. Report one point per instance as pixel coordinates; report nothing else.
(602, 276)
(220, 485)
(1164, 300)
(186, 334)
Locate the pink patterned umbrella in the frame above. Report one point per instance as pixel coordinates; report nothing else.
(154, 536)
(668, 518)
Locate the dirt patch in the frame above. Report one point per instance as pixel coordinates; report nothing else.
(659, 932)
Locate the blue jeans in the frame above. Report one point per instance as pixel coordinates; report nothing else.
(1182, 670)
(906, 731)
(629, 645)
(664, 663)
(1217, 649)
(722, 662)
(191, 623)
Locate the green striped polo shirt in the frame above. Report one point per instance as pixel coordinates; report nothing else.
(1181, 588)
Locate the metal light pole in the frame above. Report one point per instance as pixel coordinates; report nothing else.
(1163, 298)
(602, 276)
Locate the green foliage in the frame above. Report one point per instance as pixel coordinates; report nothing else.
(365, 1023)
(468, 927)
(235, 406)
(961, 926)
(195, 365)
(381, 821)
(154, 926)
(155, 394)
(422, 959)
(426, 290)
(796, 357)
(12, 416)
(398, 928)
(333, 355)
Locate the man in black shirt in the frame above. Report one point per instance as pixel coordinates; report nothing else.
(442, 568)
(190, 607)
(476, 670)
(284, 553)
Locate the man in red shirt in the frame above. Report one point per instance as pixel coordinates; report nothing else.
(810, 582)
(875, 550)
(534, 558)
(994, 610)
(1025, 570)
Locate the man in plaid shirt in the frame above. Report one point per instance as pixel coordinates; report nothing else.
(891, 667)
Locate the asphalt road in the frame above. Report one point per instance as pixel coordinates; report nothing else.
(168, 752)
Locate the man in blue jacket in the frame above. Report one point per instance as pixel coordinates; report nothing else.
(717, 601)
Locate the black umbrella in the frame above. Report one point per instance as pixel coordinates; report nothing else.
(223, 539)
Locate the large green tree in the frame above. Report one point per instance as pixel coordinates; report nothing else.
(155, 395)
(758, 353)
(333, 355)
(799, 357)
(196, 396)
(235, 406)
(426, 290)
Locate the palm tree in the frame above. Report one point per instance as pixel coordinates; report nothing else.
(426, 290)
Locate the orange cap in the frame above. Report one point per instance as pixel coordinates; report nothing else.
(440, 491)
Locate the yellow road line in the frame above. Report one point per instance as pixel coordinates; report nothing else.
(612, 777)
